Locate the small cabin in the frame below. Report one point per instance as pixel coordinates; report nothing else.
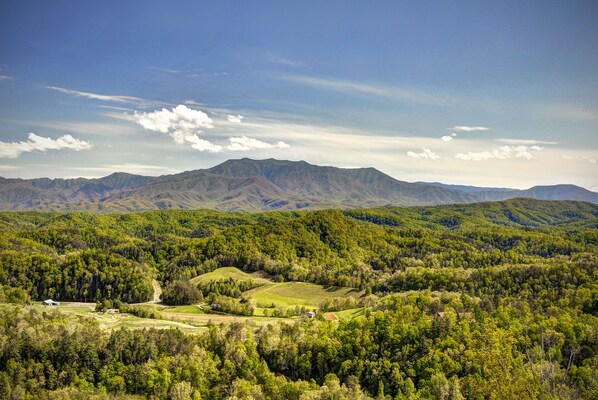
(112, 311)
(50, 302)
(310, 314)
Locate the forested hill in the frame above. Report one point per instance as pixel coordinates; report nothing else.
(478, 301)
(252, 186)
(82, 256)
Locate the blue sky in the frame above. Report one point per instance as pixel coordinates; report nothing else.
(482, 93)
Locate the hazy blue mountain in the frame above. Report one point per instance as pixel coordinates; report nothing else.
(552, 192)
(254, 185)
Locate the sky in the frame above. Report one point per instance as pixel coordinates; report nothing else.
(495, 94)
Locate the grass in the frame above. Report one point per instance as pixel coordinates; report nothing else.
(192, 318)
(230, 272)
(285, 294)
(196, 316)
(116, 321)
(349, 314)
(193, 309)
(290, 294)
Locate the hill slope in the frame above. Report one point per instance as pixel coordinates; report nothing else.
(253, 185)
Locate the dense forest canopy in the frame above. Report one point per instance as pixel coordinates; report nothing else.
(486, 300)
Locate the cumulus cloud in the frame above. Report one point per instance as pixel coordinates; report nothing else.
(202, 145)
(186, 125)
(447, 138)
(245, 143)
(463, 128)
(182, 123)
(6, 78)
(39, 143)
(426, 154)
(502, 153)
(235, 118)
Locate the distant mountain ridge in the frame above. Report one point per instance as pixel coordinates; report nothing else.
(254, 185)
(551, 192)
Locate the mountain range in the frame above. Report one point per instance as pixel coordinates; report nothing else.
(255, 185)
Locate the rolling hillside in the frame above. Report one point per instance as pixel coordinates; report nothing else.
(254, 185)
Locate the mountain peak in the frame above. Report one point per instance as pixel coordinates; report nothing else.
(255, 185)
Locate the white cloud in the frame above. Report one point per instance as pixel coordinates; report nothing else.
(426, 154)
(502, 153)
(235, 118)
(193, 103)
(95, 96)
(182, 123)
(39, 143)
(526, 142)
(202, 144)
(463, 128)
(453, 134)
(131, 168)
(245, 143)
(6, 78)
(447, 138)
(179, 119)
(169, 70)
(359, 88)
(185, 125)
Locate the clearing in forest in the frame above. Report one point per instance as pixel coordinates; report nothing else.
(298, 294)
(230, 272)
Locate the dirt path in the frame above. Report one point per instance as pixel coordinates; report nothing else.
(157, 290)
(330, 316)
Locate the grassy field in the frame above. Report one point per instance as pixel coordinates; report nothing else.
(290, 294)
(116, 321)
(284, 294)
(196, 316)
(230, 272)
(349, 314)
(192, 318)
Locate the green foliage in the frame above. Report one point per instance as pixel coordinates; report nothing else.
(491, 300)
(227, 287)
(179, 293)
(339, 303)
(230, 305)
(13, 295)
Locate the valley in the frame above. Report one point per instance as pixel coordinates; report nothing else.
(472, 299)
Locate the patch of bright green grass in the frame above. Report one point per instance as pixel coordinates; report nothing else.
(229, 272)
(289, 294)
(193, 309)
(349, 314)
(114, 321)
